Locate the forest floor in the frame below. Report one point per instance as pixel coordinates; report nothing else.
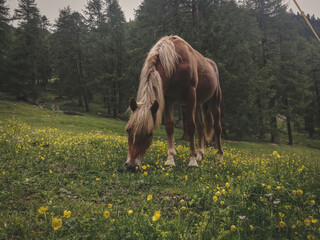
(62, 177)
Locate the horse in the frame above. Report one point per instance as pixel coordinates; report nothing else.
(174, 72)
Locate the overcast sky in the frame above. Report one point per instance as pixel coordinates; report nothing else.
(51, 8)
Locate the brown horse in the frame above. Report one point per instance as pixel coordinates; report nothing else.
(175, 73)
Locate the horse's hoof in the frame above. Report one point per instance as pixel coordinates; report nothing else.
(129, 167)
(193, 163)
(199, 156)
(170, 162)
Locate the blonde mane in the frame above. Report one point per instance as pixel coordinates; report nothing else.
(150, 87)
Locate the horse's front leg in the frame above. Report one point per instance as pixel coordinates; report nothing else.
(169, 124)
(191, 125)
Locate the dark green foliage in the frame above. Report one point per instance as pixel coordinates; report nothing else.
(268, 58)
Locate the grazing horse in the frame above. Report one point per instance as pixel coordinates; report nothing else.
(175, 73)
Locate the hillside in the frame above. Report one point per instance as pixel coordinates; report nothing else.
(52, 163)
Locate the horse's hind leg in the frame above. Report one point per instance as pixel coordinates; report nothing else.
(191, 125)
(169, 124)
(200, 130)
(216, 111)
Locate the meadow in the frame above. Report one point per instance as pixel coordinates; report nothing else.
(62, 177)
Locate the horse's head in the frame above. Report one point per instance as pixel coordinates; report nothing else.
(140, 131)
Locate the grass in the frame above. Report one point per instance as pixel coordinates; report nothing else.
(51, 163)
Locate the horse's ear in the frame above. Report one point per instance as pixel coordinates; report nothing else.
(154, 107)
(133, 104)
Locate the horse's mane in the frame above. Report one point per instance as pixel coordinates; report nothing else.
(150, 87)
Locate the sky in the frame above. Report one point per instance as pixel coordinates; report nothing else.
(51, 8)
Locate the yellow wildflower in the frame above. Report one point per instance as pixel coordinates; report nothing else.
(67, 214)
(149, 197)
(294, 192)
(278, 188)
(97, 179)
(233, 228)
(281, 214)
(251, 227)
(145, 173)
(227, 185)
(183, 208)
(156, 216)
(218, 193)
(106, 214)
(268, 187)
(282, 224)
(144, 167)
(56, 223)
(42, 209)
(130, 212)
(312, 202)
(314, 220)
(222, 203)
(182, 202)
(186, 177)
(109, 205)
(215, 198)
(307, 222)
(293, 226)
(299, 192)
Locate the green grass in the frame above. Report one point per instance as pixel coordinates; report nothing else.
(75, 163)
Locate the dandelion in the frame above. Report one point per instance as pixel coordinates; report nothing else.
(56, 223)
(281, 214)
(183, 208)
(263, 185)
(282, 224)
(50, 171)
(294, 226)
(223, 191)
(109, 205)
(310, 237)
(294, 192)
(106, 214)
(67, 214)
(145, 174)
(278, 188)
(251, 227)
(182, 202)
(218, 193)
(312, 202)
(299, 192)
(149, 197)
(227, 185)
(186, 177)
(222, 203)
(97, 179)
(269, 187)
(156, 216)
(307, 222)
(233, 228)
(314, 220)
(42, 210)
(130, 212)
(215, 198)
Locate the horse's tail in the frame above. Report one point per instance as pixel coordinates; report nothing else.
(150, 79)
(207, 121)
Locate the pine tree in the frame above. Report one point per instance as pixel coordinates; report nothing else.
(69, 56)
(4, 42)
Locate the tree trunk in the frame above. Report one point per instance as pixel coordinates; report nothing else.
(83, 92)
(289, 128)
